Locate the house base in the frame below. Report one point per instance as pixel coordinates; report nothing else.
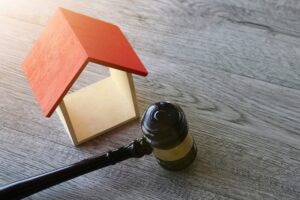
(99, 107)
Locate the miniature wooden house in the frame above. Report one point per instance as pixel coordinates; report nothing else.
(69, 42)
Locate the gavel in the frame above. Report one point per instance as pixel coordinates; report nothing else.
(165, 133)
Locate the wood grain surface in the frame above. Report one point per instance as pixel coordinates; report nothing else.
(233, 66)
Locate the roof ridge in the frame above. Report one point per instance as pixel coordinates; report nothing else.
(69, 25)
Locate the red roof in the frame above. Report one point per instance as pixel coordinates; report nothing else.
(64, 48)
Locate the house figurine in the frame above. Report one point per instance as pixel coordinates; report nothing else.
(69, 42)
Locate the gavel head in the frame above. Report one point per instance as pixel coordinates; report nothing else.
(165, 127)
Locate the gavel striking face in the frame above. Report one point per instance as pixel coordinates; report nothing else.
(165, 127)
(165, 133)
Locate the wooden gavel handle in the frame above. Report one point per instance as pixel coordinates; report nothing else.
(24, 188)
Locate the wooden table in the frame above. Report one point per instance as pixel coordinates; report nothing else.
(234, 67)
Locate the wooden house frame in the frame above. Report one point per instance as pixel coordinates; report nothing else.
(69, 42)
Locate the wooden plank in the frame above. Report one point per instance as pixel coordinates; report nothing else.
(124, 82)
(64, 117)
(98, 108)
(104, 43)
(45, 65)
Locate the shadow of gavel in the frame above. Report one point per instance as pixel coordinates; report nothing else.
(165, 133)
